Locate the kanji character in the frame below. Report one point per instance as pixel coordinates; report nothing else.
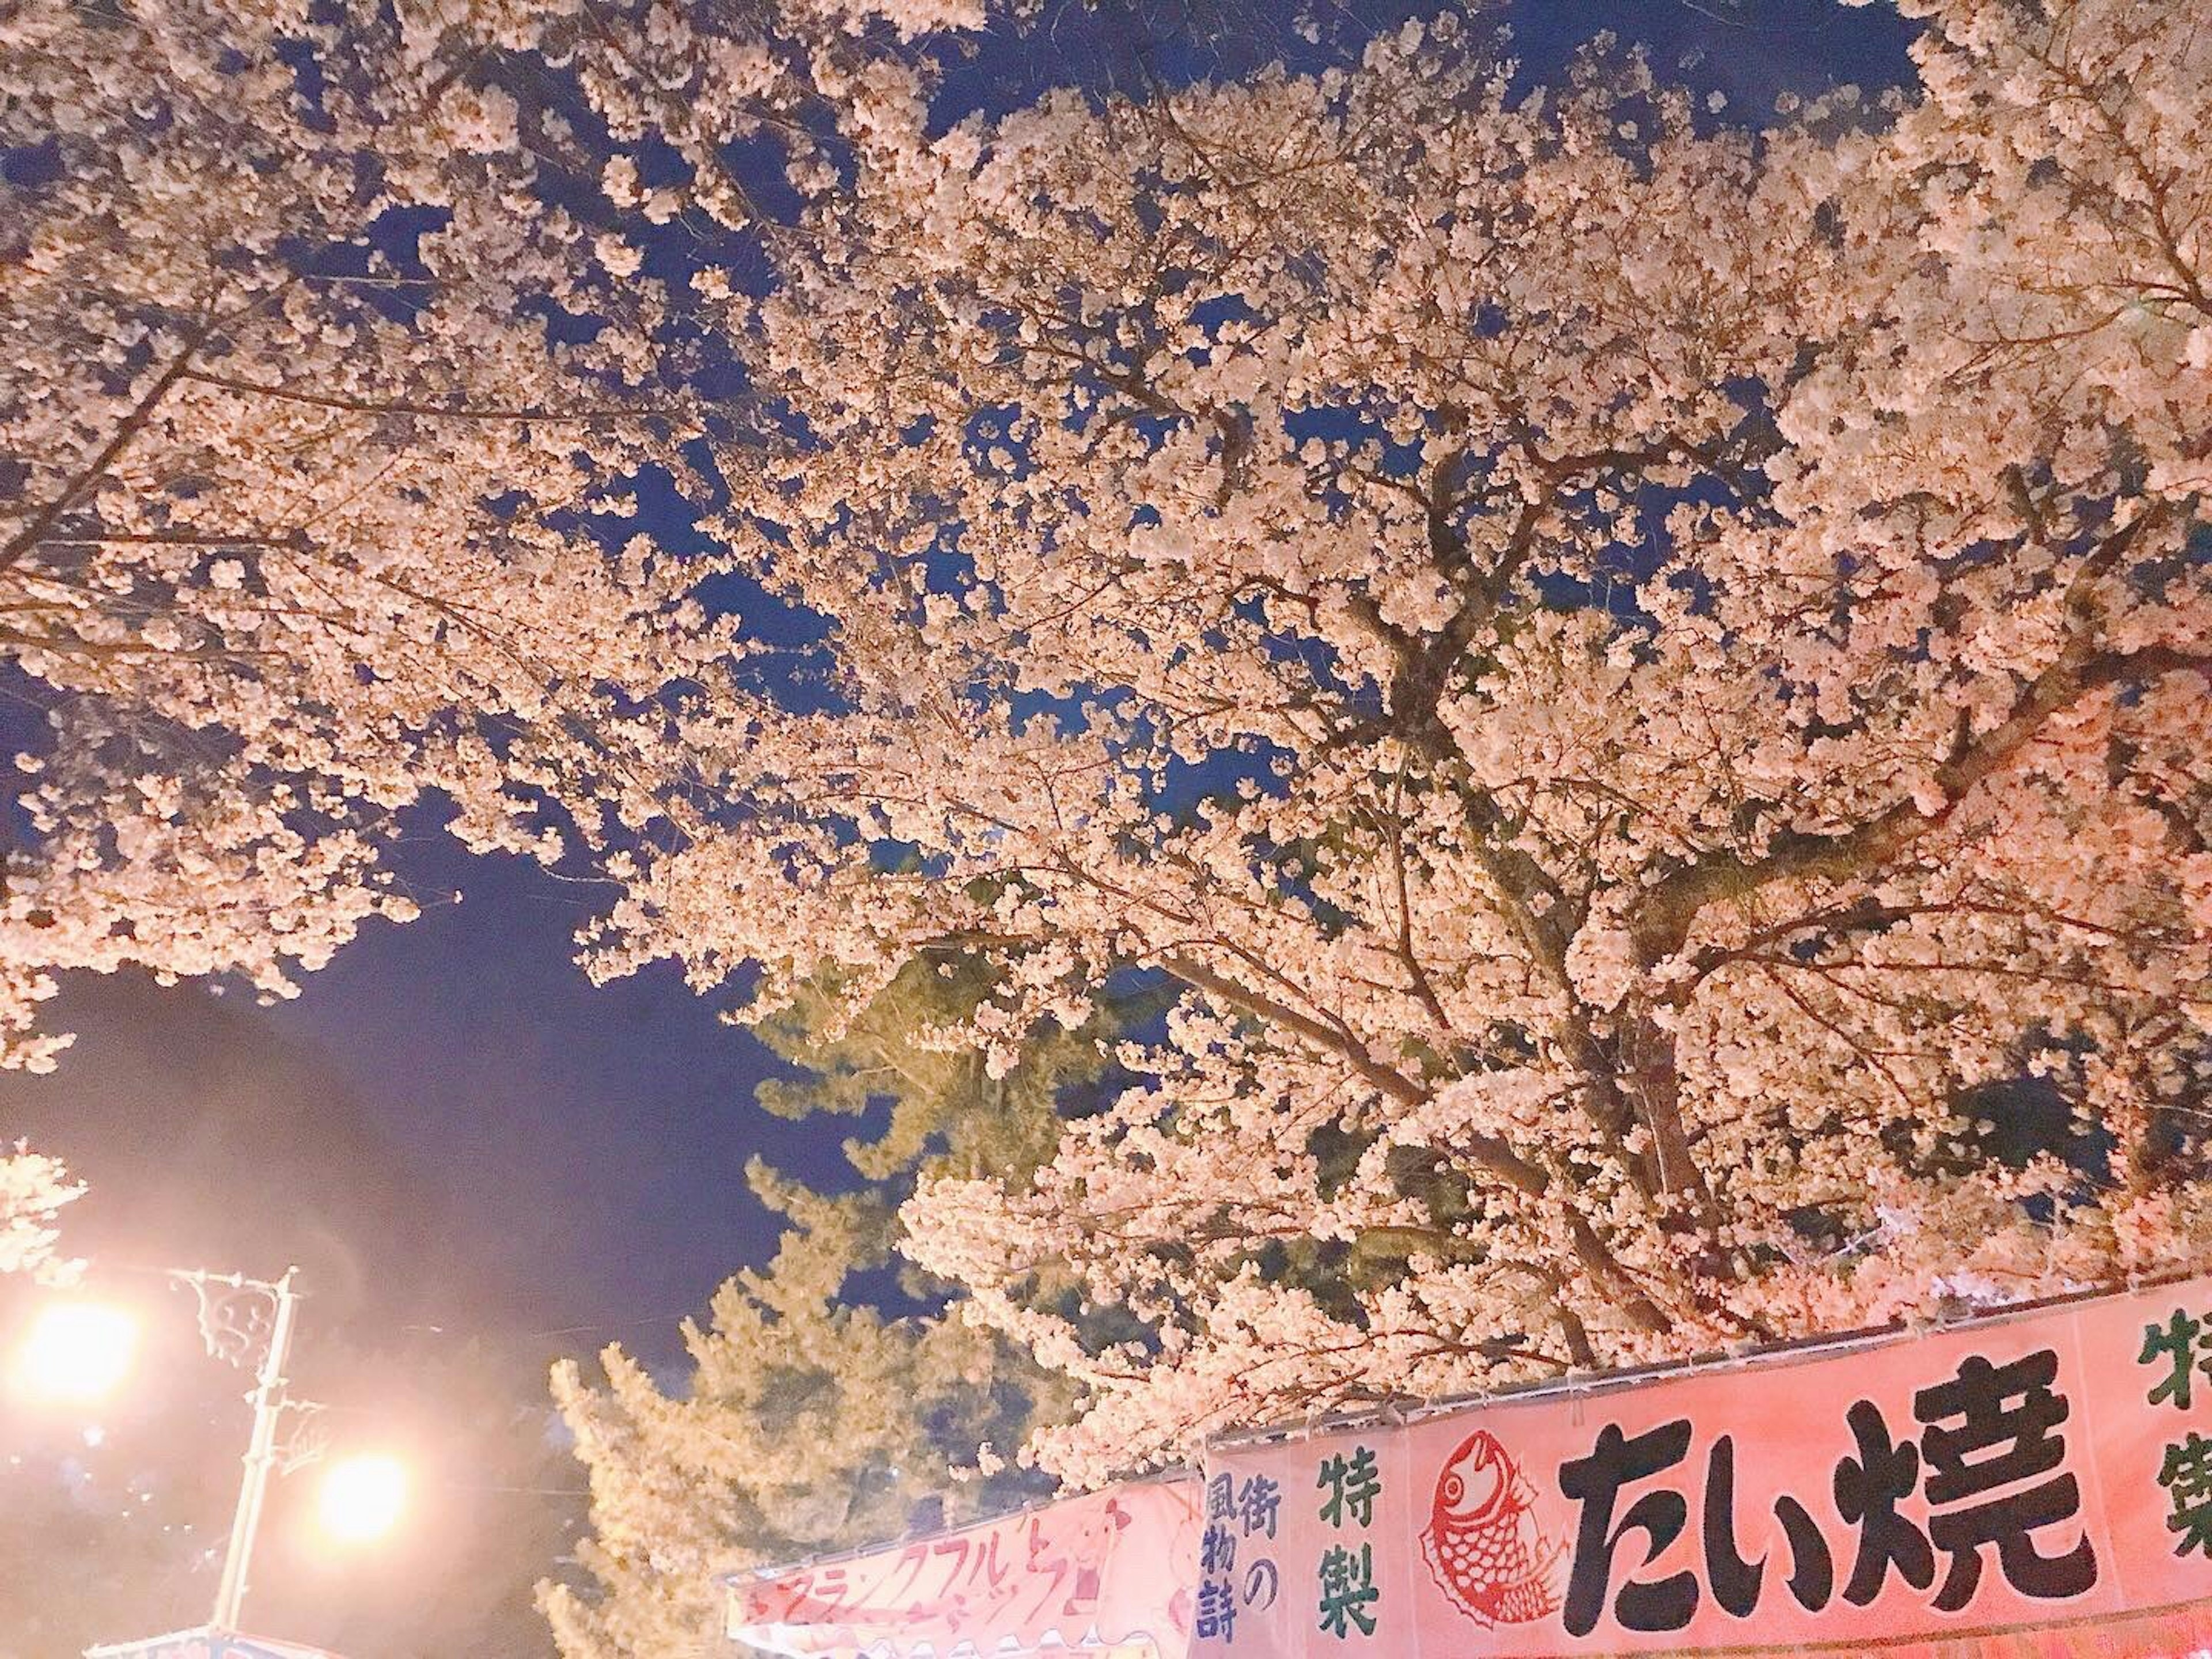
(1217, 1612)
(2186, 1474)
(1216, 1550)
(2176, 1342)
(1220, 1497)
(1595, 1483)
(1352, 1484)
(2023, 1447)
(1348, 1590)
(1868, 1487)
(1256, 1503)
(1261, 1575)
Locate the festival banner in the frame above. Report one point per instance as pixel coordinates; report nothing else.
(1109, 1572)
(2033, 1484)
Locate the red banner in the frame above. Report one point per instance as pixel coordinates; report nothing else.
(1110, 1571)
(2035, 1484)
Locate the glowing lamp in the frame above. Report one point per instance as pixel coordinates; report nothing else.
(362, 1496)
(75, 1353)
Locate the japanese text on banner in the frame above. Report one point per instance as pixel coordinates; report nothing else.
(2049, 1468)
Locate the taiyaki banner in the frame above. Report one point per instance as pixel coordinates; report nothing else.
(2036, 1484)
(1109, 1573)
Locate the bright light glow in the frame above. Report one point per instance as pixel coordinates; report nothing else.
(76, 1352)
(362, 1496)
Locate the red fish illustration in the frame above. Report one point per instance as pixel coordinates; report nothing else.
(1483, 1545)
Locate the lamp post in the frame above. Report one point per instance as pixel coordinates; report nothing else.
(77, 1350)
(226, 1339)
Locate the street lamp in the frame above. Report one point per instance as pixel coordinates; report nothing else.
(236, 1316)
(362, 1496)
(76, 1352)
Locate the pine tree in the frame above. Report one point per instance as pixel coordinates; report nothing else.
(833, 1397)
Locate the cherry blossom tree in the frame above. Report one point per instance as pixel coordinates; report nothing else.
(33, 1190)
(1636, 676)
(1687, 646)
(329, 370)
(318, 416)
(317, 411)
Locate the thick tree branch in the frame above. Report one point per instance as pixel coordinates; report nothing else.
(44, 519)
(1667, 915)
(428, 411)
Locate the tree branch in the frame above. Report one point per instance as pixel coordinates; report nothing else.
(1666, 917)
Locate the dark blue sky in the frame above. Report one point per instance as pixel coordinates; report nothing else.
(603, 1130)
(579, 1151)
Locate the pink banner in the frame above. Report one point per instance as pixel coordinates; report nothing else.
(1110, 1571)
(2037, 1484)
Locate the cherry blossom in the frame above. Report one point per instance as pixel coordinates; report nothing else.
(1637, 675)
(1705, 629)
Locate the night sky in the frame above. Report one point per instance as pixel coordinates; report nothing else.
(451, 1127)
